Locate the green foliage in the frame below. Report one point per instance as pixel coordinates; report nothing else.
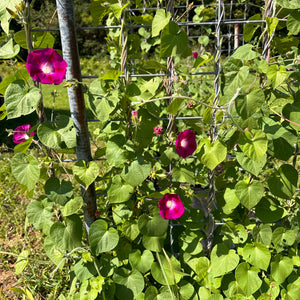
(237, 241)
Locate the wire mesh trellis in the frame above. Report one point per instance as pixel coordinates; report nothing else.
(223, 27)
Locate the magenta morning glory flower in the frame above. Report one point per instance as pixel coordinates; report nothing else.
(46, 66)
(195, 54)
(158, 130)
(21, 134)
(170, 206)
(186, 143)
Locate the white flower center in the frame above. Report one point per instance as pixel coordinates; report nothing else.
(47, 69)
(169, 204)
(184, 143)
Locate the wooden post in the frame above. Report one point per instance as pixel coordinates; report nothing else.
(66, 18)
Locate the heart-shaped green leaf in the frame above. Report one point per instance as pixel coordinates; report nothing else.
(57, 191)
(257, 255)
(247, 278)
(254, 144)
(21, 100)
(223, 260)
(67, 236)
(25, 168)
(101, 238)
(84, 173)
(283, 183)
(213, 154)
(141, 262)
(249, 193)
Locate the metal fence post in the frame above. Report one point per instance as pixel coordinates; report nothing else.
(66, 18)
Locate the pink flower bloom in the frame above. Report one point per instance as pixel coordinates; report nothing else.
(134, 115)
(158, 130)
(21, 134)
(170, 206)
(195, 54)
(191, 104)
(97, 214)
(46, 66)
(186, 143)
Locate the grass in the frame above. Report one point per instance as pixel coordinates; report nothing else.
(14, 239)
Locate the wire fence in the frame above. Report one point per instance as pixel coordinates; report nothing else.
(223, 29)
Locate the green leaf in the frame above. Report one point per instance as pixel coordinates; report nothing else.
(257, 255)
(118, 191)
(173, 41)
(254, 144)
(128, 280)
(25, 169)
(39, 39)
(270, 210)
(3, 113)
(154, 243)
(248, 104)
(293, 291)
(160, 21)
(232, 201)
(281, 141)
(20, 99)
(54, 253)
(73, 206)
(9, 50)
(67, 236)
(101, 238)
(271, 24)
(189, 242)
(283, 45)
(141, 262)
(121, 212)
(58, 135)
(293, 22)
(39, 213)
(5, 15)
(21, 74)
(181, 174)
(250, 28)
(291, 4)
(115, 152)
(291, 111)
(22, 262)
(235, 82)
(236, 232)
(98, 11)
(263, 234)
(166, 271)
(202, 267)
(252, 166)
(24, 146)
(131, 230)
(137, 172)
(245, 52)
(153, 226)
(213, 154)
(277, 75)
(223, 260)
(84, 173)
(283, 183)
(281, 268)
(112, 75)
(57, 191)
(249, 193)
(282, 238)
(247, 279)
(175, 106)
